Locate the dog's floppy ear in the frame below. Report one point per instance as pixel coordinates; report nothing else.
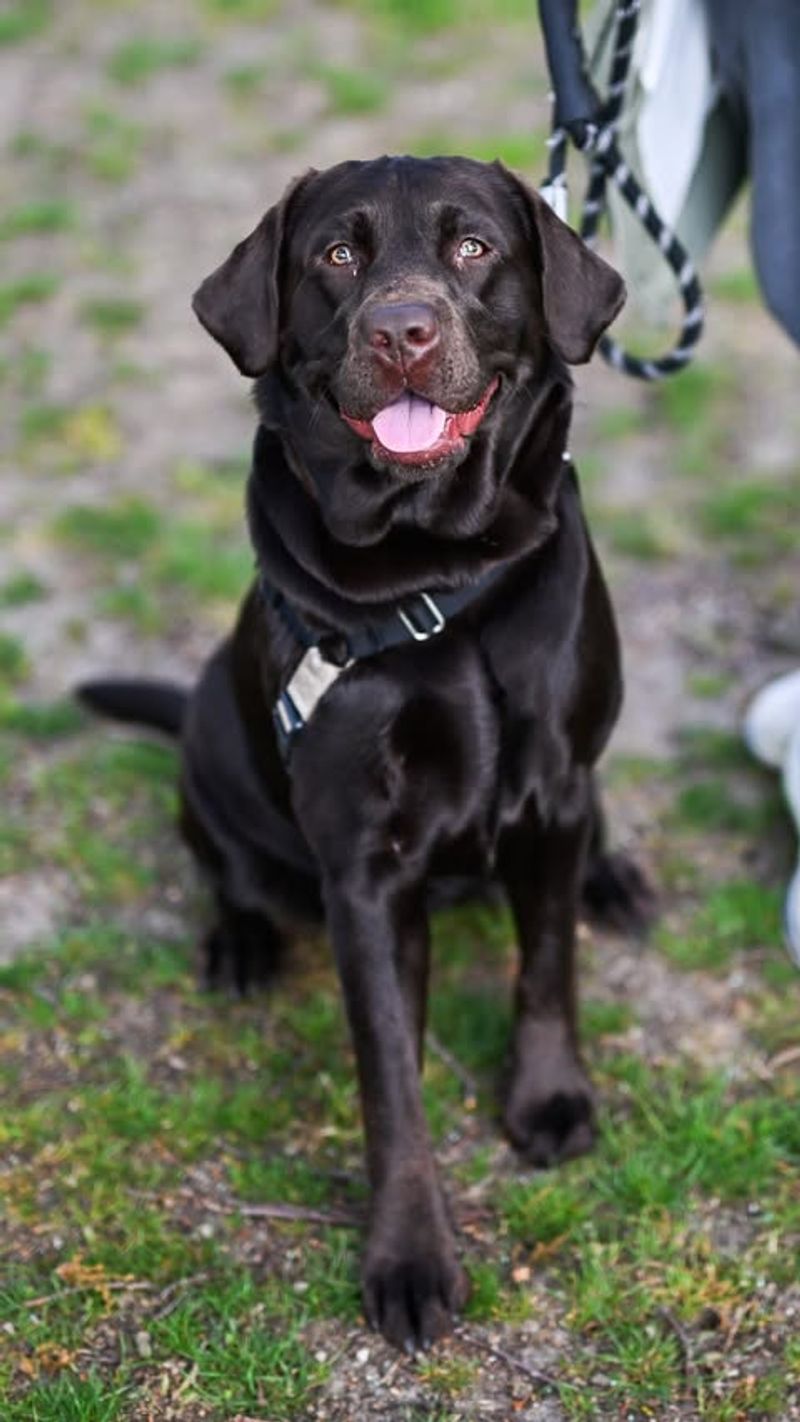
(581, 293)
(239, 303)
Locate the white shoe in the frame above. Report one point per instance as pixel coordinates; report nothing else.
(772, 717)
(791, 789)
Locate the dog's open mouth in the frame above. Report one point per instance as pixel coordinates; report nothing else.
(412, 430)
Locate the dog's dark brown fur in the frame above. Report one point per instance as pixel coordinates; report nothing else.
(468, 756)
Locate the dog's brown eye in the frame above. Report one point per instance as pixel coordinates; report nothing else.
(471, 247)
(341, 255)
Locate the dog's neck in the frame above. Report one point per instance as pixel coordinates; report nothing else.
(342, 541)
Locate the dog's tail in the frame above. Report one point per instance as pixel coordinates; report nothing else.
(160, 704)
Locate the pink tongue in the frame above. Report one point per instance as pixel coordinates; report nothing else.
(410, 424)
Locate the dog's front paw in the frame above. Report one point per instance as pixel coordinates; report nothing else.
(412, 1282)
(553, 1128)
(549, 1112)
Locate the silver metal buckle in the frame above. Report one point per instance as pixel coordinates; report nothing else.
(419, 634)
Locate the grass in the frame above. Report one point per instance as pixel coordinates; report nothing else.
(734, 918)
(23, 19)
(112, 146)
(621, 1237)
(755, 518)
(21, 589)
(243, 11)
(123, 530)
(695, 409)
(354, 91)
(36, 218)
(112, 315)
(26, 291)
(429, 17)
(143, 1118)
(523, 152)
(65, 438)
(137, 60)
(643, 534)
(245, 81)
(165, 1099)
(13, 660)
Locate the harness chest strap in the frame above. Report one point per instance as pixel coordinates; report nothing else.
(417, 619)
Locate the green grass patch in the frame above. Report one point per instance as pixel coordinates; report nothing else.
(191, 555)
(448, 1376)
(112, 145)
(243, 1343)
(702, 749)
(636, 533)
(719, 804)
(23, 19)
(42, 421)
(37, 217)
(605, 1019)
(102, 808)
(695, 406)
(66, 438)
(245, 81)
(137, 60)
(758, 518)
(21, 589)
(473, 1022)
(112, 315)
(26, 291)
(28, 370)
(13, 660)
(253, 11)
(689, 398)
(426, 17)
(123, 530)
(619, 422)
(735, 917)
(41, 721)
(492, 1299)
(739, 286)
(708, 685)
(135, 603)
(354, 91)
(69, 1398)
(522, 152)
(549, 1214)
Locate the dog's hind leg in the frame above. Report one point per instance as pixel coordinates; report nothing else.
(243, 950)
(615, 893)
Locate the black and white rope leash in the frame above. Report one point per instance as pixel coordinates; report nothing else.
(598, 141)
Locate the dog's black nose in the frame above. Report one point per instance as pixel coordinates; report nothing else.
(401, 331)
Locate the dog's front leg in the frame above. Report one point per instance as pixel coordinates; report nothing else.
(411, 1277)
(549, 1113)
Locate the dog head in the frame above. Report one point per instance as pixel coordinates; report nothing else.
(406, 297)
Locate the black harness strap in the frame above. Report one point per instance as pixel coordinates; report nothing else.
(326, 655)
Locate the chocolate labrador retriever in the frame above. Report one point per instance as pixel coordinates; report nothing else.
(426, 670)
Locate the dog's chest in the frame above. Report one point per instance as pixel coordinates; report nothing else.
(426, 754)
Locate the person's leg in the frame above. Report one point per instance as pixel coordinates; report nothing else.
(757, 54)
